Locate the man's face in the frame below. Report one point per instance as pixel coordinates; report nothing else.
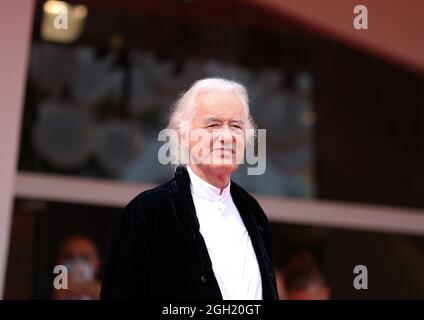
(79, 248)
(217, 132)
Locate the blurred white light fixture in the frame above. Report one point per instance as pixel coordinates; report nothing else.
(62, 22)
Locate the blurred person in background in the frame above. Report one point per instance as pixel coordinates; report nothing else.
(80, 256)
(304, 280)
(281, 284)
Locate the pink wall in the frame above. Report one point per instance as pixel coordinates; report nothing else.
(395, 28)
(15, 36)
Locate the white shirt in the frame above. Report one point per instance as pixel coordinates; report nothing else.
(233, 258)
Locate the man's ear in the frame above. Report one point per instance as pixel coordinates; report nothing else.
(183, 134)
(183, 138)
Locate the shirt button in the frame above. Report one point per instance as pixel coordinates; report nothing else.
(204, 279)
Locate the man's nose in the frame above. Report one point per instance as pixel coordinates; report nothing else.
(225, 135)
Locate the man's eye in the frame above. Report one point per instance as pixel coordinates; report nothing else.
(215, 125)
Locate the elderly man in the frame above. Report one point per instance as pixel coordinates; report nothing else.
(200, 235)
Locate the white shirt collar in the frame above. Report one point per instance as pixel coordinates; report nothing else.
(206, 190)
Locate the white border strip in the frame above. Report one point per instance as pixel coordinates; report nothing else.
(15, 38)
(344, 215)
(284, 210)
(76, 190)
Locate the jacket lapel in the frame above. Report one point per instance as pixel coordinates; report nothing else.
(183, 180)
(256, 234)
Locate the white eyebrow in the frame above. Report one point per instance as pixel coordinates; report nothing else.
(211, 119)
(214, 119)
(238, 121)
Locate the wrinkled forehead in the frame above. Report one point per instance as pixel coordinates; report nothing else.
(218, 105)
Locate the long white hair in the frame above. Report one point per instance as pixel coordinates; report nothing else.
(182, 111)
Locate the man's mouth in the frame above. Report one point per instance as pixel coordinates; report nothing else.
(224, 150)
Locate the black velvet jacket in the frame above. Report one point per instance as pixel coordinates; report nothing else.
(157, 252)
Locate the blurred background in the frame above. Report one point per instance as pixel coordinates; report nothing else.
(84, 95)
